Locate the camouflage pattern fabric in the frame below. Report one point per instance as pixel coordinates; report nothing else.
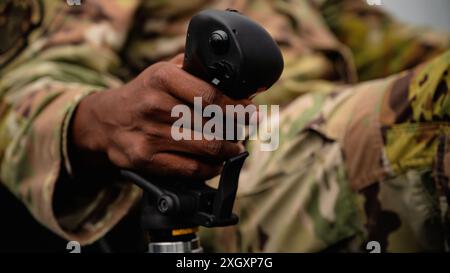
(68, 54)
(363, 163)
(333, 178)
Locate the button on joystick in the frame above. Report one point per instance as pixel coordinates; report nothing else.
(219, 41)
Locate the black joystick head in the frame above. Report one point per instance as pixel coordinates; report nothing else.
(232, 52)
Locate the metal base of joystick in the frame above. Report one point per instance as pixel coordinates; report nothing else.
(190, 246)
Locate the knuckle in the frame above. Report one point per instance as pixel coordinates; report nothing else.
(152, 103)
(193, 169)
(209, 95)
(160, 73)
(214, 148)
(118, 158)
(139, 155)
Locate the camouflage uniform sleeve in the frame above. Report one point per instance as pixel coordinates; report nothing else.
(51, 56)
(366, 163)
(381, 45)
(397, 157)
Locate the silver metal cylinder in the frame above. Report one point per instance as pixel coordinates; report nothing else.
(192, 246)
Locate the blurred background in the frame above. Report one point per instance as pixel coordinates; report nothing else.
(433, 13)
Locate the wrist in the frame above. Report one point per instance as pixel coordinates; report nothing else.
(87, 139)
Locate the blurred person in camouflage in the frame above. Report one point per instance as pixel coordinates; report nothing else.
(364, 131)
